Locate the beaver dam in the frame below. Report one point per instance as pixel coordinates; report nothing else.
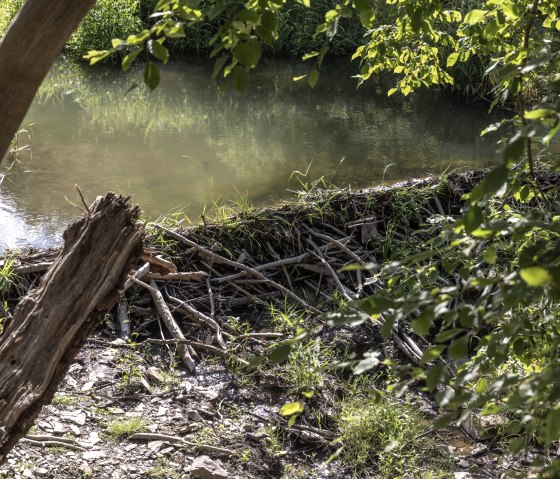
(195, 372)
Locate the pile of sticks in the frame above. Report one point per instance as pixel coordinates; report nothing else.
(199, 278)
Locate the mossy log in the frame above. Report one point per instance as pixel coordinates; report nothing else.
(52, 321)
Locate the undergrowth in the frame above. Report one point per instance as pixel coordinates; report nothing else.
(386, 435)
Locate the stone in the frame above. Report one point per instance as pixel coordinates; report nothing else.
(155, 375)
(205, 468)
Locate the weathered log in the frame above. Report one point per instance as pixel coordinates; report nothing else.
(51, 323)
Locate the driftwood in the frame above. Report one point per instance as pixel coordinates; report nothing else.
(52, 321)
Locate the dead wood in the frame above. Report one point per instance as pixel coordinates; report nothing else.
(51, 323)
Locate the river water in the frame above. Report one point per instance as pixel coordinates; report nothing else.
(187, 145)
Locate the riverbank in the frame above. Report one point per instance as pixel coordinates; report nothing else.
(243, 285)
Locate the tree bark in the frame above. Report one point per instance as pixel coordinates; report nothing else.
(30, 46)
(51, 323)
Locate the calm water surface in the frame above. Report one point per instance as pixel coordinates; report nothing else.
(187, 145)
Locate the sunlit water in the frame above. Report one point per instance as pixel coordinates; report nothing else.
(187, 145)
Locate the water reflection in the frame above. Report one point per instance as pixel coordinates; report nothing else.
(186, 144)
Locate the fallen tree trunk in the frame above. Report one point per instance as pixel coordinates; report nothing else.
(51, 322)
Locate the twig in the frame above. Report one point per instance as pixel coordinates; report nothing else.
(179, 276)
(54, 443)
(169, 321)
(138, 274)
(200, 317)
(220, 259)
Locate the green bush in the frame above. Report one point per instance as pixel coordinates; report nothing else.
(108, 19)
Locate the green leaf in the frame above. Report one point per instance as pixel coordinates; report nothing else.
(313, 78)
(511, 10)
(281, 352)
(473, 218)
(151, 75)
(362, 4)
(433, 353)
(514, 150)
(491, 183)
(128, 59)
(95, 56)
(138, 38)
(435, 376)
(371, 359)
(158, 51)
(452, 59)
(218, 65)
(535, 276)
(539, 113)
(346, 319)
(474, 16)
(376, 304)
(247, 53)
(490, 30)
(116, 42)
(268, 20)
(392, 91)
(458, 348)
(551, 429)
(292, 408)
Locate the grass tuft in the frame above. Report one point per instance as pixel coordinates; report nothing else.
(384, 433)
(126, 427)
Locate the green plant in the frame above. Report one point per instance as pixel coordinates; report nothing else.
(61, 399)
(303, 369)
(128, 370)
(7, 277)
(122, 428)
(381, 432)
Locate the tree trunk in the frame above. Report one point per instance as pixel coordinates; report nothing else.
(52, 321)
(30, 46)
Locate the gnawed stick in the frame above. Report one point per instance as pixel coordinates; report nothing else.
(180, 276)
(169, 321)
(53, 443)
(200, 317)
(343, 289)
(220, 259)
(144, 436)
(138, 274)
(335, 243)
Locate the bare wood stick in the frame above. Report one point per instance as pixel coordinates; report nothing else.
(43, 438)
(159, 262)
(336, 243)
(33, 268)
(124, 320)
(169, 321)
(438, 205)
(200, 317)
(144, 436)
(211, 298)
(180, 276)
(288, 279)
(54, 443)
(138, 274)
(220, 259)
(343, 289)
